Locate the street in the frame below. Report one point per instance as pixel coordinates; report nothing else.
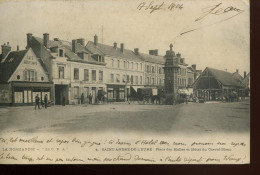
(192, 118)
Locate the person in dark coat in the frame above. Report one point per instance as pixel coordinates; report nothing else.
(82, 98)
(37, 102)
(45, 101)
(63, 100)
(90, 98)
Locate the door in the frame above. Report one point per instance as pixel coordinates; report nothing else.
(93, 95)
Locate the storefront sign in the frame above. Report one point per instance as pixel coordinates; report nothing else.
(30, 60)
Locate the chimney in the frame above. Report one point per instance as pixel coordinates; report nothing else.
(96, 40)
(81, 41)
(244, 74)
(5, 49)
(18, 48)
(122, 47)
(136, 51)
(46, 40)
(74, 46)
(115, 45)
(193, 66)
(237, 71)
(153, 52)
(29, 39)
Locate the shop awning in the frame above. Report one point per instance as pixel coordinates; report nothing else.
(136, 87)
(185, 91)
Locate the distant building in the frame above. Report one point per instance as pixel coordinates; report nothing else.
(124, 69)
(23, 76)
(73, 68)
(215, 84)
(74, 71)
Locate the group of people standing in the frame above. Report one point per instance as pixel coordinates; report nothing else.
(37, 101)
(82, 99)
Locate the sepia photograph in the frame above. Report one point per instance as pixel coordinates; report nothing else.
(125, 82)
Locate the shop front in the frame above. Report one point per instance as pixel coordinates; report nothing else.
(116, 93)
(24, 93)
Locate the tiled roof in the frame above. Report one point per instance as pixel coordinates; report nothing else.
(153, 58)
(10, 64)
(103, 49)
(226, 78)
(68, 50)
(238, 76)
(191, 69)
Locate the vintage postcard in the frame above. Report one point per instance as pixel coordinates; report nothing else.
(125, 82)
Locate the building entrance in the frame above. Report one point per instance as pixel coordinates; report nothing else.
(61, 91)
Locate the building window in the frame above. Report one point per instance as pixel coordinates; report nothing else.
(86, 75)
(110, 93)
(112, 63)
(112, 78)
(124, 78)
(132, 65)
(76, 73)
(100, 59)
(152, 80)
(153, 69)
(136, 66)
(94, 76)
(136, 79)
(118, 63)
(160, 70)
(61, 72)
(18, 77)
(141, 80)
(42, 78)
(160, 81)
(100, 75)
(132, 79)
(61, 53)
(124, 64)
(117, 78)
(147, 80)
(30, 75)
(127, 79)
(141, 66)
(127, 65)
(76, 92)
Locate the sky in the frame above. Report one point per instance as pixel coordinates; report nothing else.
(220, 41)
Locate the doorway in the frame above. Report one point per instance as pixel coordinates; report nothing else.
(60, 92)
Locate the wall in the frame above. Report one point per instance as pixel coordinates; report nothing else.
(5, 94)
(30, 62)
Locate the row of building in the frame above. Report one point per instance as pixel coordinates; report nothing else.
(67, 69)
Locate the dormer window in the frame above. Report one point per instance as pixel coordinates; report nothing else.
(100, 59)
(61, 53)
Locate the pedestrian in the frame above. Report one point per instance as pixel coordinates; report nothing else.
(63, 100)
(45, 101)
(90, 98)
(37, 102)
(82, 98)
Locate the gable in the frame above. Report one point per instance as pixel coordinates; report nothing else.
(29, 66)
(10, 63)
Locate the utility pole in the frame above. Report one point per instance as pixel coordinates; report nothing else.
(102, 34)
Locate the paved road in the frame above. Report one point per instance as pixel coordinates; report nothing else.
(161, 119)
